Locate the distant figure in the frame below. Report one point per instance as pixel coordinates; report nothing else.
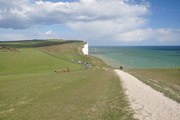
(120, 67)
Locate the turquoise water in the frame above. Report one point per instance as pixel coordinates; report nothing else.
(139, 57)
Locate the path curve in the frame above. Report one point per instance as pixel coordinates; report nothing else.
(148, 103)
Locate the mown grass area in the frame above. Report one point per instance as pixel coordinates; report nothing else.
(165, 80)
(30, 90)
(87, 94)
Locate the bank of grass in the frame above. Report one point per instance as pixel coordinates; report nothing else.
(29, 90)
(165, 80)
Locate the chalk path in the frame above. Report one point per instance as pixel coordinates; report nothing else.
(148, 103)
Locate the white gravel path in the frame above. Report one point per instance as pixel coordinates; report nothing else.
(148, 103)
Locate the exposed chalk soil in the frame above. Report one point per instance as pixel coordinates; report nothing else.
(148, 103)
(85, 49)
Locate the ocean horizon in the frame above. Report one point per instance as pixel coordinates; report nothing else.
(138, 56)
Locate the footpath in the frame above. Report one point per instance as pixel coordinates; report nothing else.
(148, 103)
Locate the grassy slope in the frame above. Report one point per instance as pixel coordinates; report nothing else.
(69, 51)
(30, 90)
(30, 61)
(165, 80)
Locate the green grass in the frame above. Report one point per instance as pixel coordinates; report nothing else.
(30, 60)
(36, 43)
(87, 94)
(165, 80)
(72, 51)
(29, 90)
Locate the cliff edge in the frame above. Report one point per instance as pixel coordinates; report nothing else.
(85, 49)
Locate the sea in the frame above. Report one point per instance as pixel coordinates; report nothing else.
(138, 56)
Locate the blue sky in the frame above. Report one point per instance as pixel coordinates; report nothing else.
(165, 13)
(100, 22)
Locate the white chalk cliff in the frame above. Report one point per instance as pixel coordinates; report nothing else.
(85, 49)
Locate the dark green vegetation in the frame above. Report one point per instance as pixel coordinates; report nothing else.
(30, 90)
(165, 80)
(35, 43)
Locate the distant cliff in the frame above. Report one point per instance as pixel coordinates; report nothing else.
(85, 49)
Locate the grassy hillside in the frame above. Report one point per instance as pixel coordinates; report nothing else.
(72, 51)
(165, 80)
(31, 61)
(30, 90)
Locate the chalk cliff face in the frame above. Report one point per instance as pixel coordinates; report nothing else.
(85, 49)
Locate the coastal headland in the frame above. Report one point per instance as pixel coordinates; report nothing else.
(86, 89)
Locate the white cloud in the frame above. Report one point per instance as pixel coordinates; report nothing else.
(135, 35)
(6, 4)
(9, 37)
(25, 15)
(88, 1)
(35, 35)
(44, 35)
(166, 35)
(48, 32)
(162, 35)
(102, 20)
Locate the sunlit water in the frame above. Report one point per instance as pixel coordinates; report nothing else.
(139, 57)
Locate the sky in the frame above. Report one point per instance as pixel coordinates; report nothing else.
(99, 22)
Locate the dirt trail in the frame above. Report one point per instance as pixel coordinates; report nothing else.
(148, 103)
